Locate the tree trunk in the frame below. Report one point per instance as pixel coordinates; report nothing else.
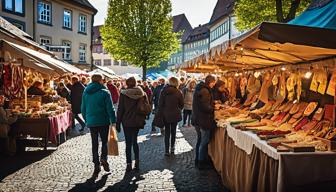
(279, 12)
(144, 72)
(292, 11)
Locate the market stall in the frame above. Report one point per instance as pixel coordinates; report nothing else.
(48, 121)
(277, 131)
(45, 116)
(107, 72)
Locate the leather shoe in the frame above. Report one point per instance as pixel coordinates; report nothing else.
(105, 165)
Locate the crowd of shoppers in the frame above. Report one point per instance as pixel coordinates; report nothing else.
(118, 103)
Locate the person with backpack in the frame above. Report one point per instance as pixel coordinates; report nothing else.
(98, 112)
(132, 110)
(170, 108)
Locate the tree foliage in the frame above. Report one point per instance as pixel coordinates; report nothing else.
(140, 32)
(251, 13)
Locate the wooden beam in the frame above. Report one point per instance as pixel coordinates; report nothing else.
(290, 54)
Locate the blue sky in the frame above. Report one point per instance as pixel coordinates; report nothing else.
(197, 11)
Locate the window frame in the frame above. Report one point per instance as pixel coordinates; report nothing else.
(13, 11)
(80, 51)
(18, 22)
(45, 38)
(116, 63)
(65, 54)
(107, 62)
(79, 24)
(70, 21)
(97, 60)
(39, 15)
(123, 63)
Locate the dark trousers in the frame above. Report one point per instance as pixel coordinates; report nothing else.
(79, 119)
(198, 132)
(186, 115)
(203, 147)
(170, 134)
(103, 132)
(131, 138)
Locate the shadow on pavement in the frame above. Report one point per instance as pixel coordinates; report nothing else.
(128, 183)
(90, 184)
(179, 170)
(11, 164)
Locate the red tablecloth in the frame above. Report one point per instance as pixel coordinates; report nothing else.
(59, 124)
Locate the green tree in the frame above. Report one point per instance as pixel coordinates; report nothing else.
(251, 13)
(140, 32)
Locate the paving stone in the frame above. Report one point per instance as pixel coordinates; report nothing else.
(70, 167)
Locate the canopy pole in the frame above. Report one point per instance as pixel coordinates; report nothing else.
(334, 116)
(26, 97)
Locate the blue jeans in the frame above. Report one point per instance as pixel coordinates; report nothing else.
(203, 149)
(103, 131)
(198, 131)
(131, 138)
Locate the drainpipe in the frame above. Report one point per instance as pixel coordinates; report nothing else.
(34, 21)
(91, 47)
(230, 28)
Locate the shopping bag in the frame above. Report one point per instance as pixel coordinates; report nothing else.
(113, 142)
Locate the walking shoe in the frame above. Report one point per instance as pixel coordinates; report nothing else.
(136, 165)
(153, 130)
(172, 151)
(96, 172)
(167, 154)
(105, 165)
(129, 167)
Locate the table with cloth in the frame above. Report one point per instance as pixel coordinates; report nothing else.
(247, 163)
(48, 128)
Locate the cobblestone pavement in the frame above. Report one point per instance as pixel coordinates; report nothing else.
(69, 168)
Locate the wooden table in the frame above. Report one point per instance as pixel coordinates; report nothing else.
(49, 128)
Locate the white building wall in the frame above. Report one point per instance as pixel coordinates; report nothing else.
(221, 39)
(234, 31)
(118, 69)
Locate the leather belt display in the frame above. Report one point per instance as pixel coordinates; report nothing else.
(302, 123)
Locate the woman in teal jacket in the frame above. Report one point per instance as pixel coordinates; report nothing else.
(98, 112)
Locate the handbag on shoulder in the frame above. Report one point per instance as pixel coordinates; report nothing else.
(143, 106)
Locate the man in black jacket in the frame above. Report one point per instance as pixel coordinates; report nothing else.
(76, 94)
(203, 118)
(156, 96)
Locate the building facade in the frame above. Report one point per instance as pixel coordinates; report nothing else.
(222, 23)
(64, 27)
(181, 25)
(102, 58)
(197, 42)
